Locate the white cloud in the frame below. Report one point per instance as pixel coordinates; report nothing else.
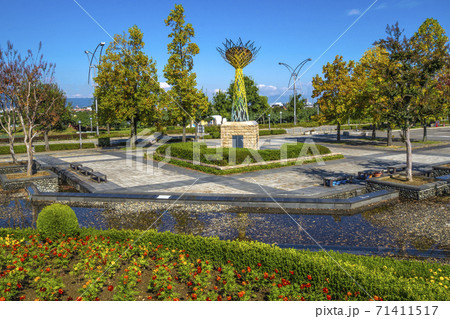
(270, 90)
(353, 12)
(217, 91)
(79, 96)
(164, 85)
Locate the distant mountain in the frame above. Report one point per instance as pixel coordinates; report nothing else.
(80, 101)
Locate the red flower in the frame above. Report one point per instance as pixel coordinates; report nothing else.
(208, 299)
(194, 296)
(219, 269)
(259, 264)
(325, 290)
(79, 298)
(309, 277)
(308, 285)
(60, 291)
(43, 289)
(228, 298)
(19, 286)
(34, 256)
(47, 269)
(97, 299)
(219, 298)
(302, 298)
(241, 294)
(69, 298)
(249, 269)
(279, 285)
(176, 299)
(22, 298)
(189, 283)
(328, 297)
(149, 297)
(291, 272)
(266, 275)
(169, 287)
(110, 288)
(224, 282)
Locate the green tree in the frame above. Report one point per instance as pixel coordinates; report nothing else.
(430, 45)
(184, 101)
(334, 92)
(221, 105)
(406, 77)
(128, 87)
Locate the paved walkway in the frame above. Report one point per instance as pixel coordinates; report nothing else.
(131, 173)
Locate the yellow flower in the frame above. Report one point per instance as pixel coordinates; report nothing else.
(113, 262)
(384, 267)
(431, 270)
(441, 278)
(440, 283)
(37, 278)
(432, 277)
(445, 286)
(435, 273)
(432, 280)
(439, 269)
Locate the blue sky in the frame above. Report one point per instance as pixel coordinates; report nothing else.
(287, 31)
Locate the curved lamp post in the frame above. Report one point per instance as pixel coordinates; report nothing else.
(294, 74)
(92, 65)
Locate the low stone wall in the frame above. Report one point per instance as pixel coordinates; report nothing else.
(441, 170)
(48, 183)
(249, 131)
(434, 188)
(13, 168)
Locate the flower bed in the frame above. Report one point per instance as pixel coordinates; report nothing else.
(111, 265)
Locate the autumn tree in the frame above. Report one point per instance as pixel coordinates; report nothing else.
(334, 92)
(184, 101)
(54, 106)
(128, 87)
(9, 63)
(27, 79)
(369, 100)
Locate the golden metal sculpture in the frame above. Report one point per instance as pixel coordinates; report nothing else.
(239, 55)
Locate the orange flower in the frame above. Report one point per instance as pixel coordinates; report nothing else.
(169, 287)
(349, 293)
(228, 298)
(241, 294)
(194, 296)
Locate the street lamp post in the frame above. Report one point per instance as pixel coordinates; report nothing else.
(294, 74)
(91, 123)
(79, 128)
(269, 121)
(281, 116)
(94, 66)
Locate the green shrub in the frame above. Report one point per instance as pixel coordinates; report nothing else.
(215, 134)
(104, 141)
(57, 219)
(41, 148)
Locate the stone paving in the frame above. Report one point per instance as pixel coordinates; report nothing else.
(133, 174)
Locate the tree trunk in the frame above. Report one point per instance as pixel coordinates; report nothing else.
(389, 134)
(108, 128)
(407, 136)
(196, 132)
(47, 146)
(29, 145)
(11, 148)
(184, 130)
(374, 131)
(339, 132)
(425, 132)
(133, 135)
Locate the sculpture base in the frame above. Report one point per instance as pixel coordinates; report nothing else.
(240, 134)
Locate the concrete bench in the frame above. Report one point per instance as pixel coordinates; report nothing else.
(86, 170)
(394, 169)
(75, 166)
(97, 176)
(337, 180)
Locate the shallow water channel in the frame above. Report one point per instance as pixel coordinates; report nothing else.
(418, 229)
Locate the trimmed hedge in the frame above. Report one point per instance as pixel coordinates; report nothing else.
(104, 142)
(387, 277)
(57, 220)
(41, 148)
(271, 132)
(61, 137)
(235, 156)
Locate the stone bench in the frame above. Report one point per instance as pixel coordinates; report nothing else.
(395, 168)
(337, 180)
(75, 166)
(97, 176)
(86, 170)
